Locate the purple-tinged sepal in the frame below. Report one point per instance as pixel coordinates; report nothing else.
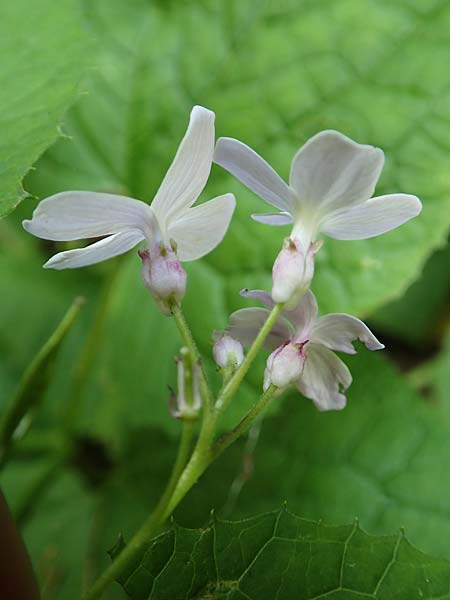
(285, 365)
(163, 275)
(292, 272)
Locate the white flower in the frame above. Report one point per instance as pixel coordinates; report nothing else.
(331, 182)
(169, 222)
(304, 343)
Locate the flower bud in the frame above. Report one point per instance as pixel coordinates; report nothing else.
(284, 365)
(292, 272)
(188, 401)
(163, 276)
(227, 352)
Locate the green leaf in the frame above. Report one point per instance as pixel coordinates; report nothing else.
(279, 555)
(43, 48)
(418, 316)
(275, 76)
(383, 459)
(433, 377)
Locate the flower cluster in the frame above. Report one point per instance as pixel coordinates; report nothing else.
(332, 180)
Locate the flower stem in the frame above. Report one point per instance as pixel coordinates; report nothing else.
(244, 425)
(188, 339)
(35, 381)
(233, 384)
(152, 523)
(203, 455)
(180, 463)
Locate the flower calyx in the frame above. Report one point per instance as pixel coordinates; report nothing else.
(163, 275)
(293, 271)
(285, 365)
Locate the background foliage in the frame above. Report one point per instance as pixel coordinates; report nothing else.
(275, 73)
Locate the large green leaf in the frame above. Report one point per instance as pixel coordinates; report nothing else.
(274, 75)
(384, 459)
(43, 48)
(418, 317)
(279, 555)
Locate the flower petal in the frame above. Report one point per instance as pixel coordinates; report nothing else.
(200, 229)
(253, 171)
(332, 171)
(373, 217)
(303, 316)
(246, 323)
(281, 218)
(337, 331)
(78, 215)
(324, 377)
(259, 295)
(189, 171)
(97, 252)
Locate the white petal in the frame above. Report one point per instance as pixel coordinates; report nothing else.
(246, 323)
(78, 215)
(259, 295)
(332, 171)
(324, 377)
(189, 171)
(337, 332)
(199, 230)
(374, 217)
(281, 218)
(95, 253)
(303, 316)
(253, 171)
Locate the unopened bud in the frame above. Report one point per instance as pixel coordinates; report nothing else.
(284, 365)
(187, 403)
(163, 276)
(292, 272)
(227, 352)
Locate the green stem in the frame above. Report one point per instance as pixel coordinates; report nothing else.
(180, 463)
(233, 384)
(128, 554)
(150, 526)
(244, 425)
(188, 339)
(202, 455)
(34, 381)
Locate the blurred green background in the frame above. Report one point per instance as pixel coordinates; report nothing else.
(101, 442)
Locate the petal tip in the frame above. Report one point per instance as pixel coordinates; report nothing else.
(26, 224)
(201, 111)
